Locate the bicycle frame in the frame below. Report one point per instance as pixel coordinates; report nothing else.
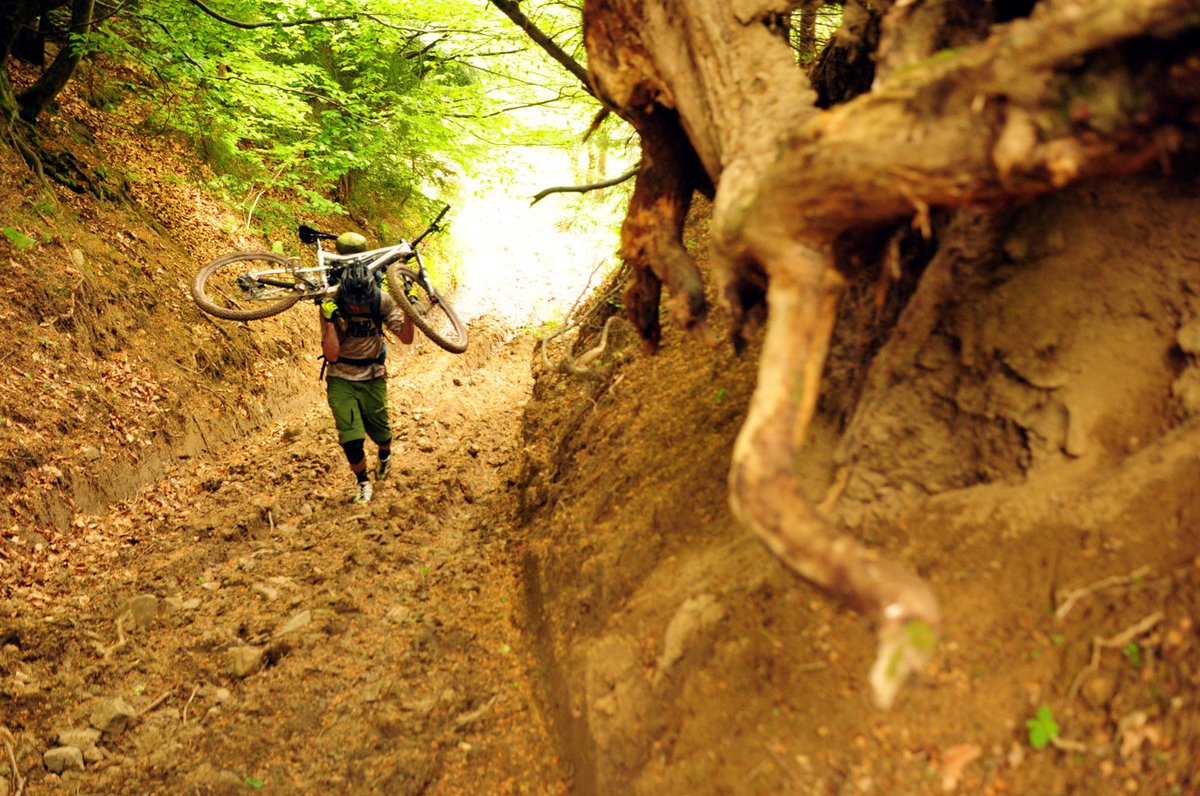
(380, 259)
(319, 286)
(250, 286)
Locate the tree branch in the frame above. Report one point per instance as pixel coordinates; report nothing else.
(288, 24)
(512, 108)
(513, 11)
(594, 186)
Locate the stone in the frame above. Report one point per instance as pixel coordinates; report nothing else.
(242, 662)
(1188, 337)
(693, 617)
(1187, 389)
(208, 779)
(112, 717)
(90, 453)
(399, 614)
(63, 758)
(81, 739)
(1098, 690)
(295, 623)
(143, 609)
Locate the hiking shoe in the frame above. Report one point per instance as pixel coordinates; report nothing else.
(364, 492)
(385, 467)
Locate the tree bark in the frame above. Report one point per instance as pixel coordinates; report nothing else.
(34, 99)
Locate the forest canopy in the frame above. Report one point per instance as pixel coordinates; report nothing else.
(331, 101)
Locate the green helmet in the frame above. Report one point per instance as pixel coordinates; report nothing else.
(350, 243)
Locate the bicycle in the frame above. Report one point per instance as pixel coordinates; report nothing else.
(248, 286)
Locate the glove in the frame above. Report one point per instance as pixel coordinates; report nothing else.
(329, 310)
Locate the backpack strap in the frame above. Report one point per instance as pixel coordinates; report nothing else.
(379, 360)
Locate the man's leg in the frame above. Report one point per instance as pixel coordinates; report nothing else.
(377, 422)
(348, 417)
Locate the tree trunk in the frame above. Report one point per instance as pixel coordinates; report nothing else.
(34, 100)
(1041, 103)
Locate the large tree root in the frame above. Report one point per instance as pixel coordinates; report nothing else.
(765, 495)
(652, 234)
(967, 245)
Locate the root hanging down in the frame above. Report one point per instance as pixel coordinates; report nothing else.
(765, 496)
(581, 365)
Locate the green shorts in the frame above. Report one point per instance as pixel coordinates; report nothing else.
(360, 408)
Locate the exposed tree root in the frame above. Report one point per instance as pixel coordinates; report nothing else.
(765, 496)
(967, 245)
(1120, 640)
(652, 234)
(10, 743)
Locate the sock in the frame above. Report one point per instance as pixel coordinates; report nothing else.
(361, 475)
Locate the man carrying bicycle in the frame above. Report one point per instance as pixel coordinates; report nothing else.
(355, 352)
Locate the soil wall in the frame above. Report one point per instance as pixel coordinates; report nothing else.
(1042, 439)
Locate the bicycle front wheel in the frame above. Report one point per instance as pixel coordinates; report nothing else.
(430, 312)
(247, 286)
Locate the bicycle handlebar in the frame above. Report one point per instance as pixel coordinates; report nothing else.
(433, 227)
(310, 235)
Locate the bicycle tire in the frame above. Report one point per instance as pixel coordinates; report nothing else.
(432, 314)
(215, 288)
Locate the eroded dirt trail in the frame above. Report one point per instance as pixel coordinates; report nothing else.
(283, 638)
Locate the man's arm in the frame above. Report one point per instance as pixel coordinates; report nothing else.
(331, 346)
(396, 321)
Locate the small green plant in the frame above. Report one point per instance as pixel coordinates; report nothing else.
(1133, 654)
(254, 782)
(18, 239)
(722, 394)
(1043, 729)
(1058, 639)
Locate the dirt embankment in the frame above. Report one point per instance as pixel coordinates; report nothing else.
(111, 370)
(1042, 442)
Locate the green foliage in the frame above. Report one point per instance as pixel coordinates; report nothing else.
(1042, 728)
(18, 239)
(1133, 654)
(393, 101)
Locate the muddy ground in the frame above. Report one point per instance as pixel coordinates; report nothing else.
(550, 594)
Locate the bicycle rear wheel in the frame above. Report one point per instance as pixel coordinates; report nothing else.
(247, 286)
(430, 312)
